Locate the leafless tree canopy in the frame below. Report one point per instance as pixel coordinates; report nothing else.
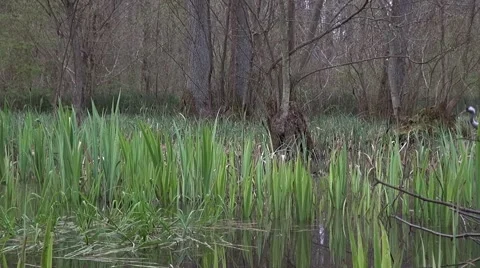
(370, 57)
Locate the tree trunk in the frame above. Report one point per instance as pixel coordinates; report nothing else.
(79, 58)
(330, 13)
(89, 41)
(285, 28)
(147, 79)
(398, 53)
(384, 104)
(312, 29)
(288, 126)
(200, 63)
(241, 53)
(222, 100)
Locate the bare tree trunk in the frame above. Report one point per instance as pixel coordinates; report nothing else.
(200, 63)
(157, 51)
(87, 25)
(79, 57)
(90, 40)
(360, 91)
(147, 80)
(443, 89)
(278, 124)
(288, 127)
(222, 94)
(384, 103)
(241, 53)
(330, 16)
(286, 89)
(398, 52)
(312, 29)
(268, 99)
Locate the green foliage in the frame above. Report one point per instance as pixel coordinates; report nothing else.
(47, 255)
(117, 183)
(359, 253)
(338, 178)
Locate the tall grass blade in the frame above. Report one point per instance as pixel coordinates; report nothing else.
(47, 252)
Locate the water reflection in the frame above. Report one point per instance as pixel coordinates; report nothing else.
(282, 246)
(324, 244)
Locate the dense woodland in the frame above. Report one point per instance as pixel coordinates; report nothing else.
(369, 57)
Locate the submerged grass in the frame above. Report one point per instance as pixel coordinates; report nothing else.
(112, 187)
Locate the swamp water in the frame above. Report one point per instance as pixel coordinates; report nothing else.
(327, 243)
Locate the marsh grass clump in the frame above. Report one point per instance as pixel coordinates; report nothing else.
(116, 185)
(99, 172)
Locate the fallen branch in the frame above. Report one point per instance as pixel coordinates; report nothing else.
(462, 235)
(468, 263)
(443, 203)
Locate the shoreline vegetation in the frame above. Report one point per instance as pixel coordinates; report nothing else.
(120, 189)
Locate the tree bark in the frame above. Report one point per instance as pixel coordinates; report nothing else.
(312, 29)
(79, 57)
(288, 126)
(222, 99)
(200, 62)
(286, 28)
(241, 53)
(147, 77)
(384, 104)
(398, 52)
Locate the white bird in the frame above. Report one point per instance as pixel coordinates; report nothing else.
(472, 112)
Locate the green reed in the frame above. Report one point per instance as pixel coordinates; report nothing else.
(158, 171)
(476, 172)
(359, 252)
(47, 254)
(303, 248)
(338, 179)
(440, 169)
(97, 170)
(215, 258)
(247, 177)
(259, 192)
(303, 192)
(152, 184)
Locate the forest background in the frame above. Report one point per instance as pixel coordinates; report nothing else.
(366, 57)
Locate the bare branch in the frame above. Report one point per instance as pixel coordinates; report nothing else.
(315, 39)
(447, 204)
(462, 235)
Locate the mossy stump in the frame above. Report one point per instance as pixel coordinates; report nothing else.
(290, 132)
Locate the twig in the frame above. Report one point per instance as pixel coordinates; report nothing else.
(461, 264)
(447, 204)
(470, 262)
(462, 235)
(315, 39)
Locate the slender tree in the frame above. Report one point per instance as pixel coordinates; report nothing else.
(398, 52)
(241, 52)
(200, 55)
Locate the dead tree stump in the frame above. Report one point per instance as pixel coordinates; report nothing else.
(290, 132)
